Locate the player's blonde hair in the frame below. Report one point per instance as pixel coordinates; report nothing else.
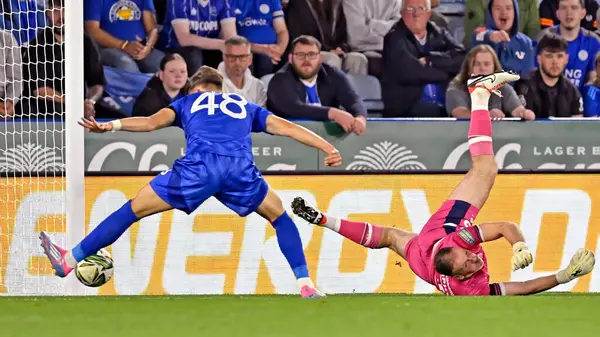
(206, 76)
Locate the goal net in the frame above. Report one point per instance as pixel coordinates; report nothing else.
(34, 141)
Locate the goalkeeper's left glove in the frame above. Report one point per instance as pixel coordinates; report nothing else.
(521, 256)
(581, 264)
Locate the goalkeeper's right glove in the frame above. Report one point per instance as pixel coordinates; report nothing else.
(581, 264)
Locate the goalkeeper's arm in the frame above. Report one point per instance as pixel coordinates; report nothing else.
(510, 231)
(581, 264)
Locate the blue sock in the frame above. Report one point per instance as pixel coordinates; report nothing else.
(107, 232)
(290, 244)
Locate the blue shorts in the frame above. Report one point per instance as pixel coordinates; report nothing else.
(234, 181)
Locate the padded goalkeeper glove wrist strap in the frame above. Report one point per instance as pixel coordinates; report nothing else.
(519, 246)
(563, 277)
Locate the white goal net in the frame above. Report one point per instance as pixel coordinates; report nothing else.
(34, 141)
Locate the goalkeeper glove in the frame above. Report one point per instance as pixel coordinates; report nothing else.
(521, 256)
(581, 264)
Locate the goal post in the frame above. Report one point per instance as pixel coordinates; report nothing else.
(74, 133)
(42, 169)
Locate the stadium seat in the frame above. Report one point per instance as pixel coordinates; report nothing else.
(5, 24)
(27, 18)
(265, 79)
(123, 88)
(369, 88)
(457, 28)
(452, 7)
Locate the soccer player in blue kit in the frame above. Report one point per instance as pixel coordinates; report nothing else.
(218, 162)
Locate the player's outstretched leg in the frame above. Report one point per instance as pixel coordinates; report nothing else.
(477, 183)
(63, 261)
(363, 233)
(289, 242)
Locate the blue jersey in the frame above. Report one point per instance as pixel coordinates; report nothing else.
(218, 161)
(24, 18)
(122, 19)
(204, 17)
(219, 123)
(591, 100)
(582, 52)
(255, 19)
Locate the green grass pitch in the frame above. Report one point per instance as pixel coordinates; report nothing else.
(282, 316)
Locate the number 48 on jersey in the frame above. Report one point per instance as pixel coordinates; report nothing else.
(207, 102)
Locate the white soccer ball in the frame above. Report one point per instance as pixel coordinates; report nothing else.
(95, 270)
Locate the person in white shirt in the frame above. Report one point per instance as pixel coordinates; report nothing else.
(237, 77)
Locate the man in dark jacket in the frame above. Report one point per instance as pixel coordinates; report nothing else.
(308, 89)
(546, 91)
(419, 60)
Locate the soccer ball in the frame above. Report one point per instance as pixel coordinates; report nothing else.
(95, 270)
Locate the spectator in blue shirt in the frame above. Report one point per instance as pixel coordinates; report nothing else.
(591, 94)
(583, 45)
(501, 32)
(24, 18)
(126, 32)
(196, 30)
(263, 24)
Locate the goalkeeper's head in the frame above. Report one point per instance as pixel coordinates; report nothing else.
(206, 79)
(457, 262)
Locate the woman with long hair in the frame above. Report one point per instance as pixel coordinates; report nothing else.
(482, 60)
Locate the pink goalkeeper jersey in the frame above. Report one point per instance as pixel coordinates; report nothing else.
(468, 238)
(450, 226)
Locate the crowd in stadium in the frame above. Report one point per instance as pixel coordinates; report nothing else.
(337, 60)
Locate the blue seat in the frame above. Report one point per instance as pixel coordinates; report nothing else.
(266, 79)
(369, 88)
(123, 87)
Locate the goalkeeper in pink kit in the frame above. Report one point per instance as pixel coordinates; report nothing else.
(447, 253)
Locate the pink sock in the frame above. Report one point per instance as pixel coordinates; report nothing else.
(362, 233)
(480, 133)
